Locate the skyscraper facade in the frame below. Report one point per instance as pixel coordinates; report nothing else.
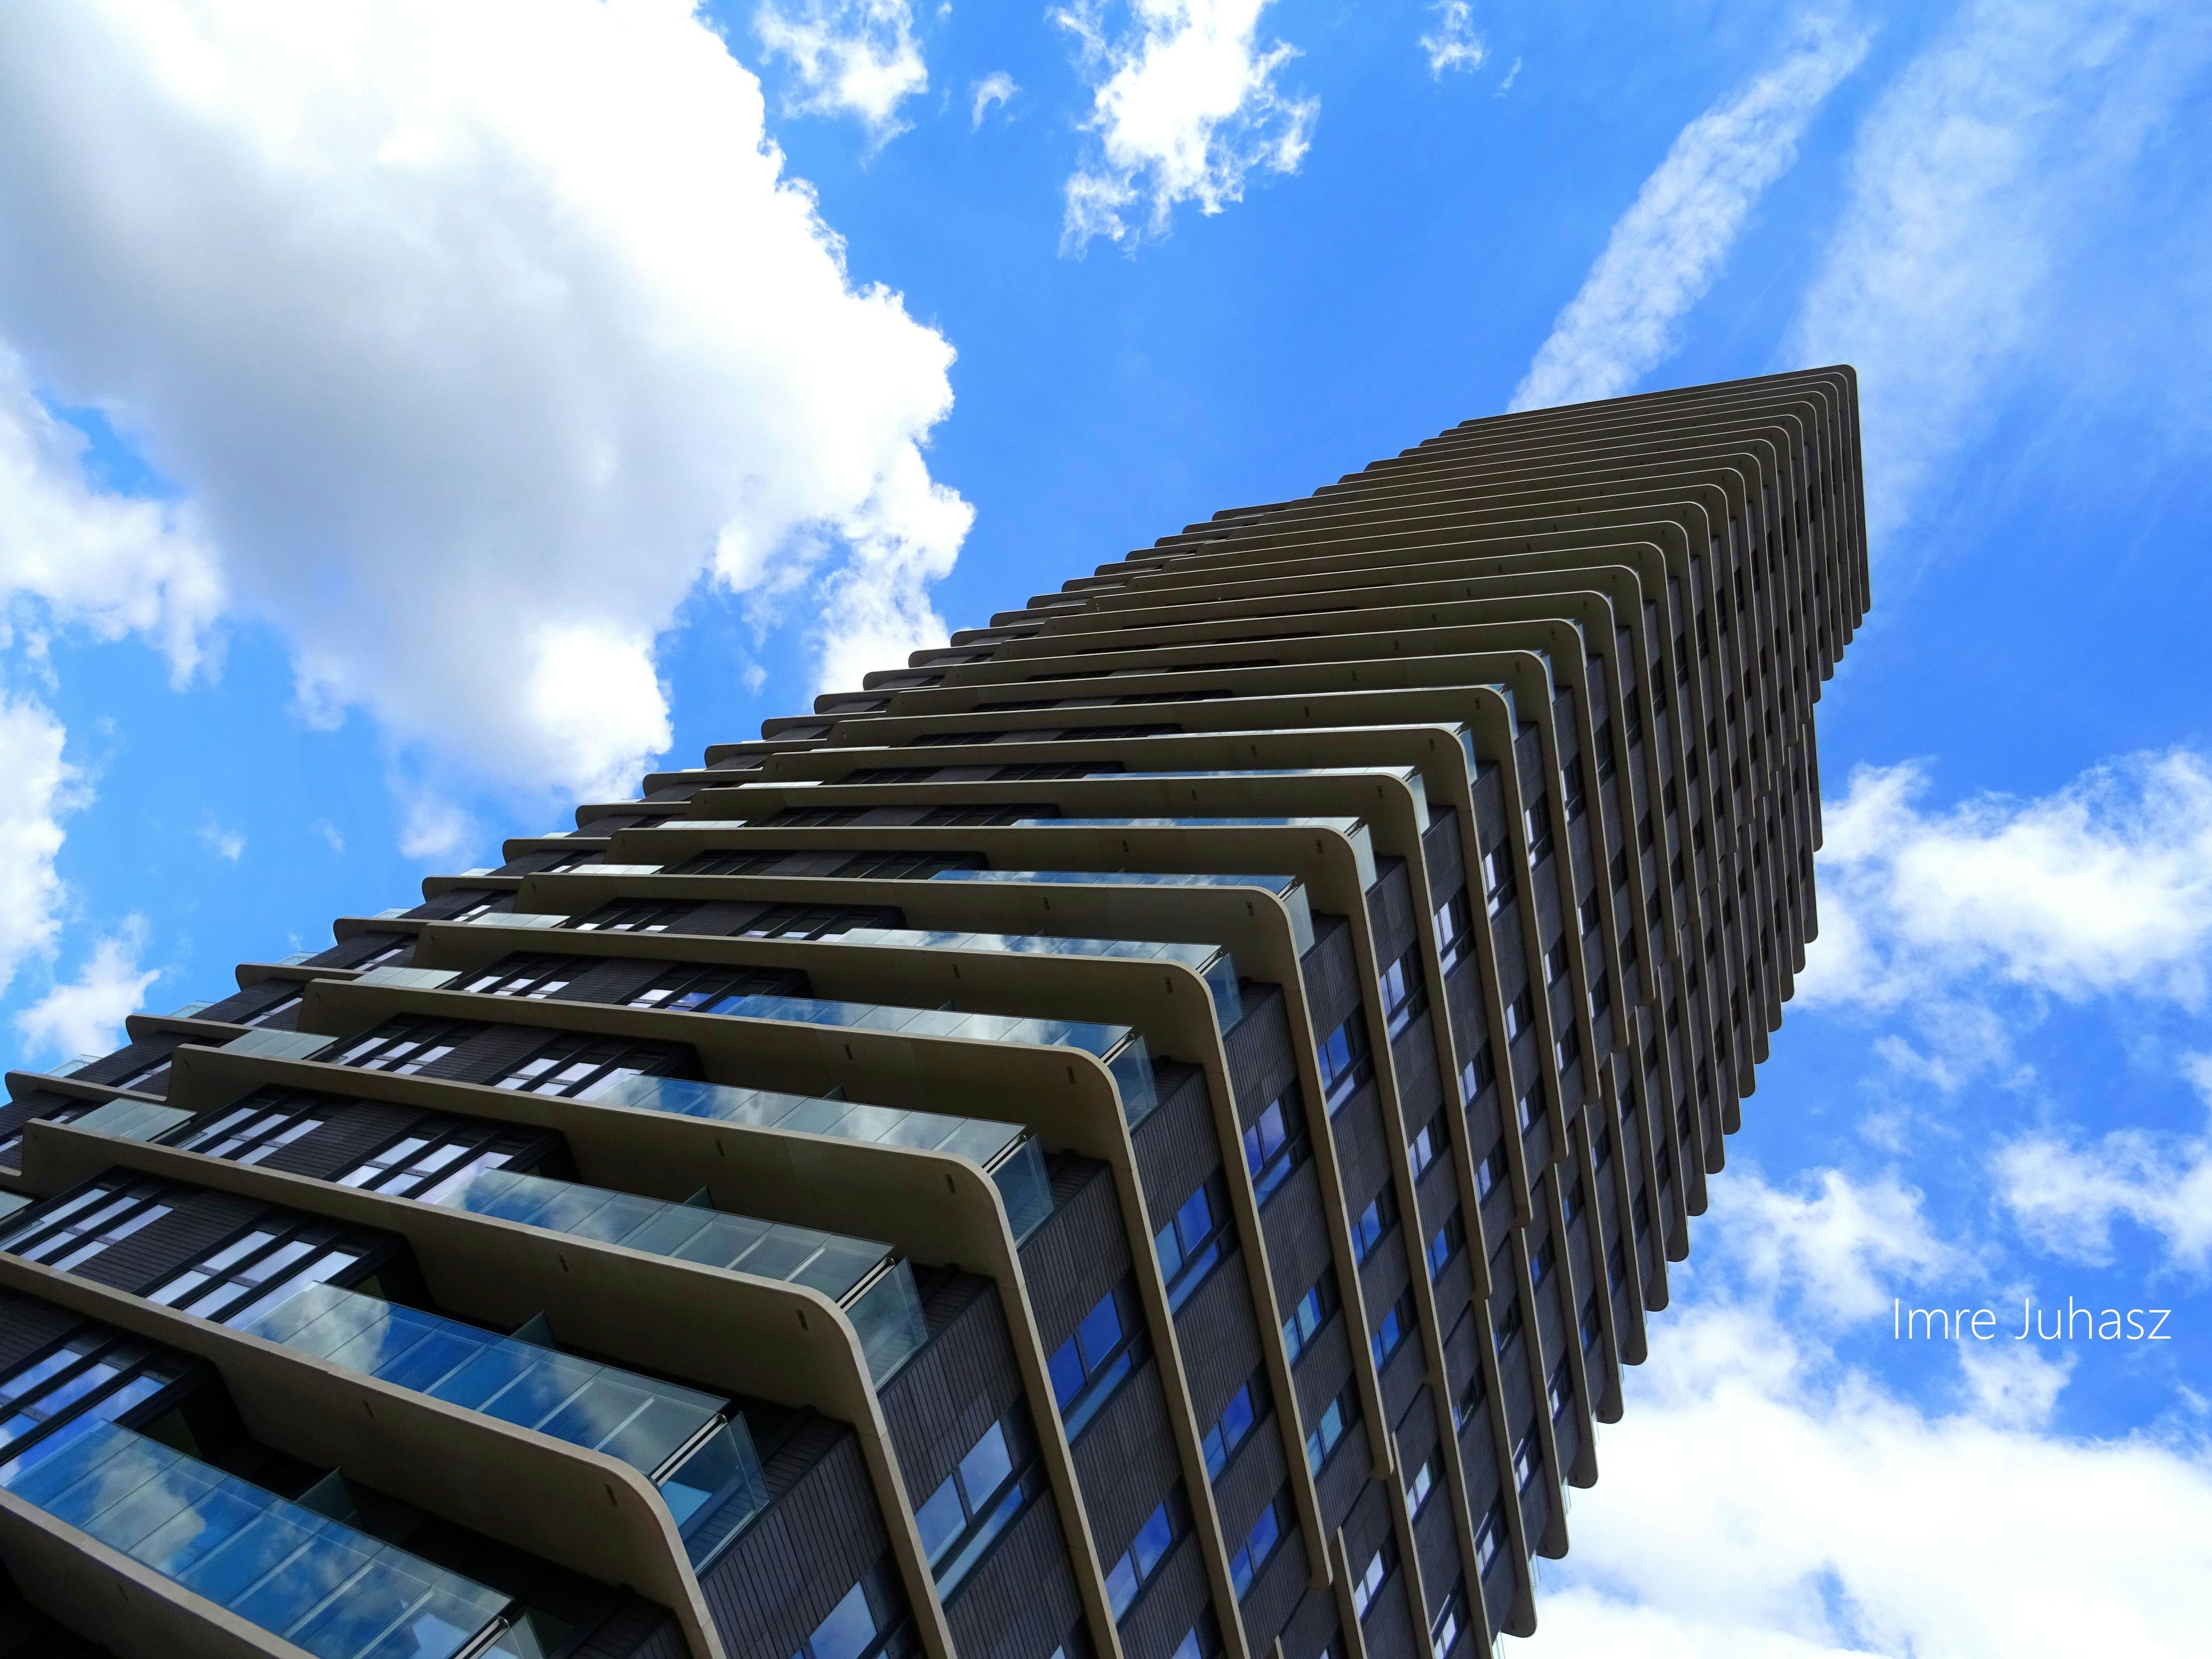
(1148, 1133)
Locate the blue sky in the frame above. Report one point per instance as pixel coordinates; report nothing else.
(415, 417)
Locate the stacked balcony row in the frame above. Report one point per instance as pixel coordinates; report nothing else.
(1149, 1131)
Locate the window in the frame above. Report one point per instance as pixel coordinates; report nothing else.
(1492, 1170)
(1489, 1535)
(695, 987)
(1602, 1146)
(1192, 1243)
(1477, 1074)
(1201, 1641)
(1600, 997)
(1520, 1013)
(1444, 1630)
(1588, 915)
(1571, 791)
(1555, 961)
(1569, 1048)
(1634, 700)
(1664, 1160)
(1536, 817)
(1561, 1391)
(1498, 878)
(1531, 1106)
(1472, 1398)
(1244, 1412)
(1404, 996)
(634, 916)
(97, 1375)
(1571, 1205)
(1307, 1314)
(1455, 929)
(1642, 1210)
(402, 1047)
(1429, 1145)
(269, 1121)
(1528, 1459)
(1543, 1261)
(865, 1623)
(1424, 1481)
(1147, 1550)
(1275, 1144)
(273, 1260)
(283, 1005)
(534, 977)
(1444, 1243)
(1260, 1543)
(1372, 1222)
(1592, 1327)
(1378, 1568)
(1087, 1368)
(722, 863)
(444, 1151)
(979, 1500)
(905, 866)
(578, 1067)
(1606, 761)
(1509, 1325)
(1329, 1428)
(1616, 1266)
(1346, 1062)
(74, 1231)
(1392, 1329)
(816, 921)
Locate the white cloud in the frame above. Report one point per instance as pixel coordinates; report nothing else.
(2068, 1193)
(475, 338)
(2104, 886)
(856, 58)
(1762, 1500)
(85, 1016)
(1455, 45)
(997, 89)
(109, 563)
(229, 844)
(328, 832)
(40, 788)
(1669, 247)
(1758, 1500)
(1996, 159)
(1185, 106)
(1846, 1247)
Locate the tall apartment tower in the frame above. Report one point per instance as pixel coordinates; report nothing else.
(1149, 1133)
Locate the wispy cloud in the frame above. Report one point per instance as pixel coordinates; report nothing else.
(1997, 161)
(2102, 886)
(1666, 251)
(2069, 1191)
(856, 58)
(996, 89)
(223, 842)
(1185, 106)
(1454, 43)
(85, 1015)
(41, 788)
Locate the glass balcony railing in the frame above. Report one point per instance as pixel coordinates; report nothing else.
(1352, 829)
(1008, 1153)
(693, 1446)
(1288, 889)
(1210, 962)
(315, 1582)
(863, 1277)
(1120, 1049)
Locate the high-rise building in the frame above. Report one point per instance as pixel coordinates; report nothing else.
(1149, 1133)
